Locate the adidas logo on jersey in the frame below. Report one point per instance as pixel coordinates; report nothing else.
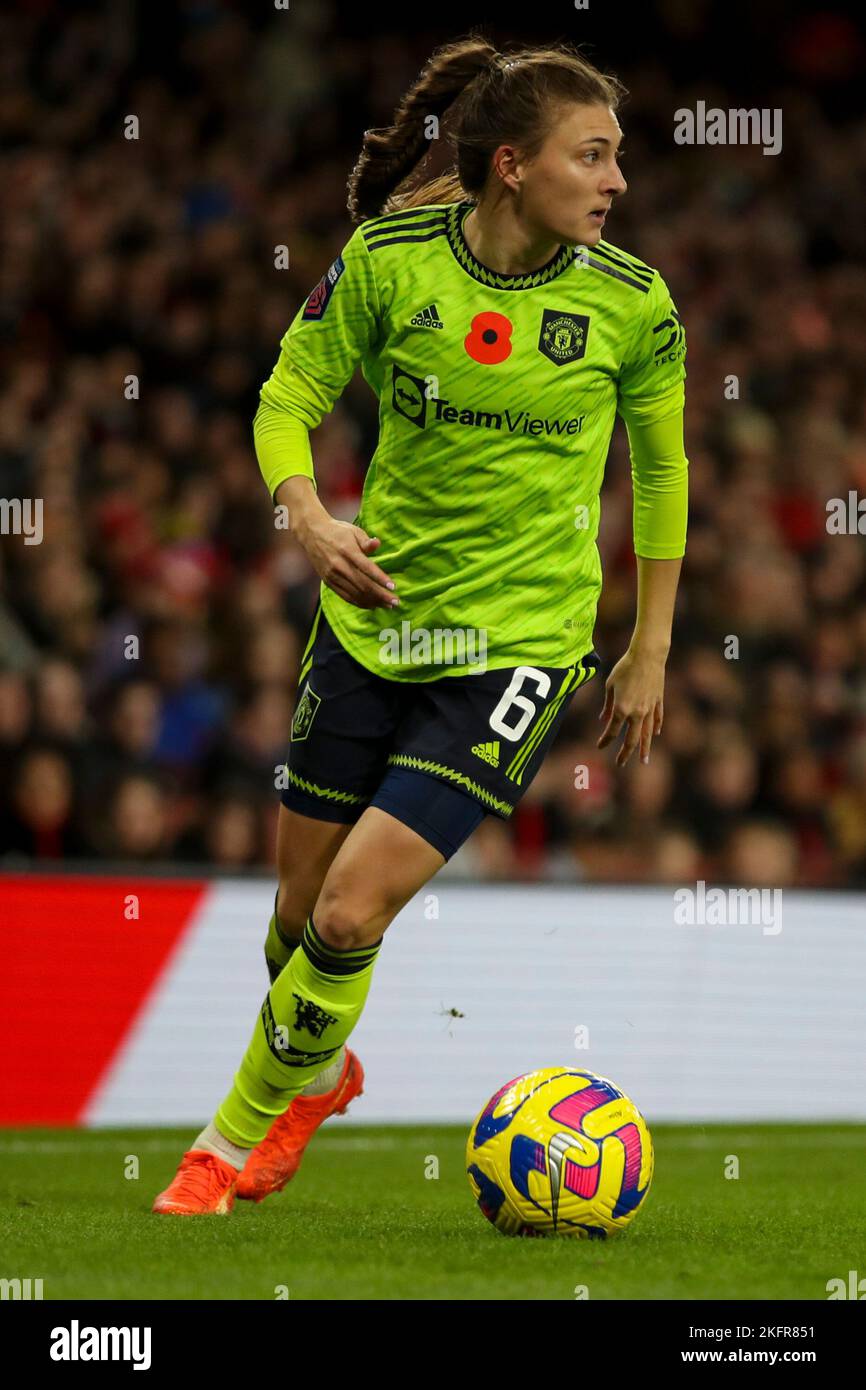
(488, 751)
(427, 318)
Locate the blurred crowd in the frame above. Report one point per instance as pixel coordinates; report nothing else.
(149, 645)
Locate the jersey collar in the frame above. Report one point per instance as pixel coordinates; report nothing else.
(526, 280)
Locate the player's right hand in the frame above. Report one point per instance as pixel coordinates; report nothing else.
(338, 552)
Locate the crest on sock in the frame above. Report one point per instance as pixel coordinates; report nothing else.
(309, 1016)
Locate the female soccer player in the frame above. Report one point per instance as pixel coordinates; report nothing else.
(501, 335)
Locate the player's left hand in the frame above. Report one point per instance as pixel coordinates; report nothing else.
(634, 697)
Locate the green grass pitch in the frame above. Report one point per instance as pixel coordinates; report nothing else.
(361, 1221)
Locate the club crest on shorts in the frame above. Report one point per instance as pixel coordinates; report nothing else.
(563, 336)
(305, 713)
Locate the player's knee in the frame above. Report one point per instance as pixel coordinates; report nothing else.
(342, 921)
(292, 911)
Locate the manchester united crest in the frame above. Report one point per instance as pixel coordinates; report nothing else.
(304, 714)
(563, 336)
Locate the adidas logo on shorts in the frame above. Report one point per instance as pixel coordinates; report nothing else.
(488, 751)
(427, 318)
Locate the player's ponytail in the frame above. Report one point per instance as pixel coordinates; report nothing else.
(390, 154)
(491, 98)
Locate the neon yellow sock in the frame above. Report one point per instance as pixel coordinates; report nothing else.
(279, 946)
(307, 1015)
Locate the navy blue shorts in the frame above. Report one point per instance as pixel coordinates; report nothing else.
(438, 755)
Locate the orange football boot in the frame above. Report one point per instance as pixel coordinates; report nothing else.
(276, 1160)
(202, 1184)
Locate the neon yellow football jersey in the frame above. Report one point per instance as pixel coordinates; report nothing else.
(497, 400)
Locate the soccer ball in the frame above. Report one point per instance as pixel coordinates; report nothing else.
(559, 1152)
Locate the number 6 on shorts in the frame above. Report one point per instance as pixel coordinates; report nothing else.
(511, 696)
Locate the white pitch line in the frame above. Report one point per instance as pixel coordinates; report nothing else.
(752, 1141)
(328, 1141)
(65, 1146)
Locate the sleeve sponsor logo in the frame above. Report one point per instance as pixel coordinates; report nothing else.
(318, 301)
(672, 342)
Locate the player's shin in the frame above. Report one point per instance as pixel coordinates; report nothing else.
(279, 949)
(280, 946)
(307, 1015)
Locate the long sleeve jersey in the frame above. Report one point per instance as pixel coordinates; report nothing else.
(497, 397)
